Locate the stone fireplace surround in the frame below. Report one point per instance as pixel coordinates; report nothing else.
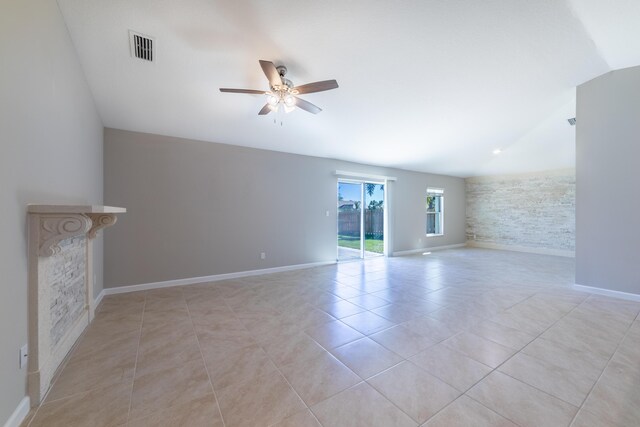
(61, 303)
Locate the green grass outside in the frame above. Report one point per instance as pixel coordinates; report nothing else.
(370, 245)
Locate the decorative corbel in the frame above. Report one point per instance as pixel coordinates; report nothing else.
(100, 221)
(56, 227)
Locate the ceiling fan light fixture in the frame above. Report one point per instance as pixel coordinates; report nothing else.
(272, 100)
(289, 100)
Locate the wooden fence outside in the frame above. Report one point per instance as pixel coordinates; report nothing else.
(349, 223)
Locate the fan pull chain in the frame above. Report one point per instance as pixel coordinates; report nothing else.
(278, 115)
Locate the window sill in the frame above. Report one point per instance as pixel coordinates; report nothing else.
(435, 235)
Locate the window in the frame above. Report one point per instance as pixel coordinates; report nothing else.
(435, 205)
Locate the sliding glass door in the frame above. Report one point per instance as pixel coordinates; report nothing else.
(349, 220)
(373, 219)
(360, 219)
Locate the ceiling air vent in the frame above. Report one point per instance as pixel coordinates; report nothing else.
(141, 46)
(572, 121)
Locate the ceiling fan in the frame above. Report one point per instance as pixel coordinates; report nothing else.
(283, 92)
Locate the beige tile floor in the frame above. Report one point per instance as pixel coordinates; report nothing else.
(464, 337)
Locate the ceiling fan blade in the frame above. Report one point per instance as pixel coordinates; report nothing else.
(272, 74)
(249, 91)
(317, 86)
(265, 110)
(307, 106)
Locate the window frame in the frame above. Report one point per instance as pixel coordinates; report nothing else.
(436, 192)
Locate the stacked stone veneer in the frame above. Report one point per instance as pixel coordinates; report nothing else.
(65, 274)
(526, 211)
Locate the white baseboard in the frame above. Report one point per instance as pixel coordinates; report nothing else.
(98, 299)
(20, 413)
(540, 251)
(204, 279)
(435, 248)
(608, 292)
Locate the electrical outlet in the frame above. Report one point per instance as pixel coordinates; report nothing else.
(24, 356)
(263, 255)
(420, 240)
(327, 214)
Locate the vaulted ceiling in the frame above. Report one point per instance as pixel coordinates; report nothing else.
(427, 85)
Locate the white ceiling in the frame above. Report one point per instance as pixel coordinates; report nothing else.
(431, 86)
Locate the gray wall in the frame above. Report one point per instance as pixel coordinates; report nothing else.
(608, 182)
(199, 209)
(50, 152)
(535, 210)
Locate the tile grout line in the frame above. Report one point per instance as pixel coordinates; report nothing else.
(518, 352)
(626, 333)
(135, 365)
(274, 364)
(365, 380)
(331, 355)
(462, 354)
(58, 373)
(215, 395)
(382, 394)
(464, 393)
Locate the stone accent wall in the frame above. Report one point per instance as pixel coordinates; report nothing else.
(66, 275)
(527, 211)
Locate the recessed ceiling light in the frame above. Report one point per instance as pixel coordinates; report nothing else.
(497, 151)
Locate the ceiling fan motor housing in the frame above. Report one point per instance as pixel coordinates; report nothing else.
(282, 70)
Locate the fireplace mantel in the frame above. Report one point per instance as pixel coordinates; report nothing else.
(61, 303)
(74, 209)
